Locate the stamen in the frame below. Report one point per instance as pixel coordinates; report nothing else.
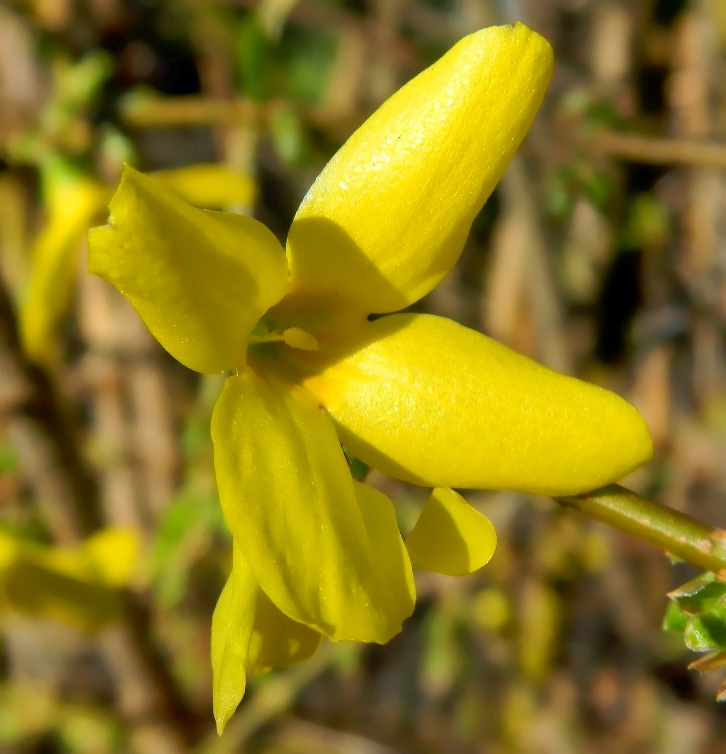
(295, 337)
(268, 337)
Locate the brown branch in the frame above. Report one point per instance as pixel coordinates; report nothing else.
(61, 484)
(655, 151)
(191, 110)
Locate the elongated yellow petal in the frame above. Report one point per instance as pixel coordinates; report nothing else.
(277, 641)
(450, 536)
(74, 204)
(232, 623)
(209, 186)
(113, 553)
(387, 218)
(74, 585)
(288, 497)
(33, 589)
(431, 402)
(380, 521)
(107, 558)
(200, 280)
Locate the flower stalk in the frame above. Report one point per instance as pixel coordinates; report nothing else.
(677, 533)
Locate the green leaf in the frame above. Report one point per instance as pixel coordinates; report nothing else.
(707, 663)
(254, 60)
(307, 57)
(287, 135)
(358, 469)
(560, 193)
(674, 619)
(8, 459)
(705, 632)
(598, 190)
(691, 587)
(82, 82)
(185, 533)
(702, 595)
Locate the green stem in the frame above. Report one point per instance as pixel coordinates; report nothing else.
(672, 531)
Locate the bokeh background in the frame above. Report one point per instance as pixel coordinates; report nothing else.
(602, 253)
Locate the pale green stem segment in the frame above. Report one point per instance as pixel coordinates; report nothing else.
(672, 531)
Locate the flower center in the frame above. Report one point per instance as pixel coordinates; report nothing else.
(295, 337)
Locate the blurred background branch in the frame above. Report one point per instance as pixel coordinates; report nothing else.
(158, 715)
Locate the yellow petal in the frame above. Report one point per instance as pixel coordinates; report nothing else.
(108, 557)
(200, 280)
(10, 550)
(450, 536)
(387, 218)
(379, 517)
(431, 402)
(209, 186)
(114, 554)
(277, 641)
(288, 498)
(73, 205)
(65, 584)
(41, 592)
(232, 623)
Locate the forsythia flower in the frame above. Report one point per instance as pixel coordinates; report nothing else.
(76, 585)
(418, 397)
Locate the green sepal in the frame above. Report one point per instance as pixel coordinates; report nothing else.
(700, 596)
(674, 619)
(705, 633)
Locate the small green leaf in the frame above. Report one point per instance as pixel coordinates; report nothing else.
(559, 194)
(358, 469)
(8, 459)
(705, 632)
(709, 662)
(185, 533)
(699, 596)
(674, 619)
(598, 190)
(306, 60)
(287, 135)
(254, 60)
(693, 586)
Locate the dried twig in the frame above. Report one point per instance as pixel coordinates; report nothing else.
(655, 151)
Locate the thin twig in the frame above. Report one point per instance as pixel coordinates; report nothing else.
(654, 151)
(62, 485)
(172, 112)
(670, 530)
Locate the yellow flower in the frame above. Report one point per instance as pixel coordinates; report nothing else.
(73, 201)
(419, 397)
(76, 585)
